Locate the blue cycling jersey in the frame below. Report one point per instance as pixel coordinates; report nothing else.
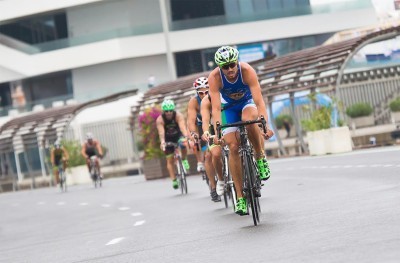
(235, 92)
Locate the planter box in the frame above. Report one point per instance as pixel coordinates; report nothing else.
(283, 133)
(395, 116)
(363, 121)
(333, 140)
(78, 175)
(157, 168)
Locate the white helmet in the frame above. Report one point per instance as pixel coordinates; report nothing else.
(89, 136)
(201, 82)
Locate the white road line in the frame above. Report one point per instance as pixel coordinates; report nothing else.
(335, 166)
(105, 205)
(61, 203)
(124, 208)
(347, 166)
(83, 204)
(360, 166)
(115, 241)
(388, 165)
(139, 223)
(136, 214)
(375, 165)
(41, 203)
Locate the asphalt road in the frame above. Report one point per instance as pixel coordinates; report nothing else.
(343, 208)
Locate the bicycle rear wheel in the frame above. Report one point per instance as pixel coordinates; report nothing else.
(64, 180)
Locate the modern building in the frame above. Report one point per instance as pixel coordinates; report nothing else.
(84, 49)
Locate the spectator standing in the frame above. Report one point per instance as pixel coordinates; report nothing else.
(18, 98)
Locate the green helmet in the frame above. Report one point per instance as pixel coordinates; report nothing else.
(226, 55)
(168, 105)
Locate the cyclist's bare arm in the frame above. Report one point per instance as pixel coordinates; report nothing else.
(205, 111)
(160, 128)
(251, 79)
(98, 147)
(83, 152)
(214, 80)
(192, 114)
(65, 153)
(181, 122)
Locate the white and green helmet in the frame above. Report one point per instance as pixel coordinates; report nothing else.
(168, 105)
(226, 55)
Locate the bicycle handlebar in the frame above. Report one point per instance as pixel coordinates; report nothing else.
(241, 123)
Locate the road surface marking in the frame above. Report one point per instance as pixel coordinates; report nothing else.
(83, 204)
(105, 205)
(41, 203)
(115, 241)
(61, 203)
(136, 214)
(139, 223)
(124, 208)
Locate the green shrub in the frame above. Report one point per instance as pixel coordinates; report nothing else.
(395, 105)
(320, 119)
(279, 120)
(359, 110)
(74, 149)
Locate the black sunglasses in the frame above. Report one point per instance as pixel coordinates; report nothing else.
(202, 92)
(168, 111)
(228, 66)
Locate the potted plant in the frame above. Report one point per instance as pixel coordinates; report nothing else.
(284, 124)
(153, 163)
(322, 138)
(395, 110)
(77, 172)
(361, 115)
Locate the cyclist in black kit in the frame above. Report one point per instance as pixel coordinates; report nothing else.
(172, 128)
(91, 148)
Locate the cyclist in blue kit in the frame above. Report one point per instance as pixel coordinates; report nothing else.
(236, 96)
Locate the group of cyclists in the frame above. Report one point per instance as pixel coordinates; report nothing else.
(59, 155)
(231, 93)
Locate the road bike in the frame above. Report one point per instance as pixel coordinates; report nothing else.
(181, 172)
(251, 181)
(94, 172)
(62, 177)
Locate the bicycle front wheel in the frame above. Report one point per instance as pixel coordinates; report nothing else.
(249, 179)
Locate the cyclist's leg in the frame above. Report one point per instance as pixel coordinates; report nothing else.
(216, 157)
(56, 176)
(250, 113)
(55, 170)
(211, 176)
(169, 154)
(98, 166)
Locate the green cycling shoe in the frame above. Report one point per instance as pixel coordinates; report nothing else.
(175, 184)
(186, 165)
(241, 207)
(263, 168)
